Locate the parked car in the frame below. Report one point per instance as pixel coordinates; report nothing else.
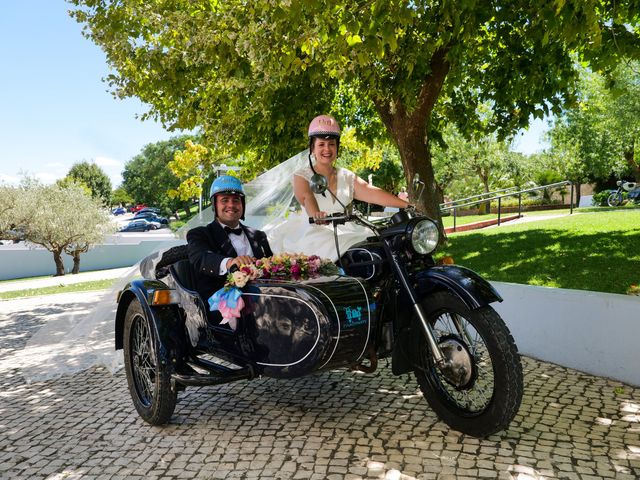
(140, 225)
(150, 209)
(151, 217)
(119, 211)
(137, 208)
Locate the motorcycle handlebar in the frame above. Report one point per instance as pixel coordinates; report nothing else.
(336, 218)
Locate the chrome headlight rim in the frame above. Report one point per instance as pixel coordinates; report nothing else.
(421, 241)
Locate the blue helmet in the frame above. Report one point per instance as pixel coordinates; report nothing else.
(226, 184)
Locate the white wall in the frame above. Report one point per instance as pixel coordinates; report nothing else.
(597, 333)
(19, 261)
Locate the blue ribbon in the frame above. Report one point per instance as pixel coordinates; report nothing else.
(229, 295)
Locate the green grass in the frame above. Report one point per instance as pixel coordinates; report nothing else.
(597, 251)
(73, 287)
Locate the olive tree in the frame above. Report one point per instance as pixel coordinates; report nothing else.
(60, 219)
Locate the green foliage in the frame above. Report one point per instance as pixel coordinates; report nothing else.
(600, 199)
(597, 137)
(93, 177)
(190, 166)
(120, 197)
(251, 75)
(147, 177)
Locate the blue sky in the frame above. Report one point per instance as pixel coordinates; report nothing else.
(55, 109)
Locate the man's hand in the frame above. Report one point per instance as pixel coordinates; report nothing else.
(241, 260)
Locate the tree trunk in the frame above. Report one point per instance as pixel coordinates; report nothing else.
(76, 262)
(633, 165)
(57, 258)
(409, 131)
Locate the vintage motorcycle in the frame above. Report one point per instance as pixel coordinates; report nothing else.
(392, 301)
(630, 190)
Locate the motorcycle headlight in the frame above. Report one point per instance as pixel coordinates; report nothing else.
(424, 236)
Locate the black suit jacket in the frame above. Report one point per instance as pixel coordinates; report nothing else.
(209, 245)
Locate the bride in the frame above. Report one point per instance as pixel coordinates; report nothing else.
(296, 234)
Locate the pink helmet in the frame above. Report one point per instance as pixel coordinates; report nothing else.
(324, 126)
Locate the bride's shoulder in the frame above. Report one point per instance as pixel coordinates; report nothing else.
(345, 172)
(304, 172)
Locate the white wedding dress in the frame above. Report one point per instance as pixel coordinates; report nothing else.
(294, 234)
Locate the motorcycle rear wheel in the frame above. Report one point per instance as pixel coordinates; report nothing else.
(149, 381)
(615, 199)
(488, 397)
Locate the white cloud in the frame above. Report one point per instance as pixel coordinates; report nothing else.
(106, 162)
(10, 179)
(47, 177)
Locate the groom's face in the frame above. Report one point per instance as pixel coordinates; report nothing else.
(229, 209)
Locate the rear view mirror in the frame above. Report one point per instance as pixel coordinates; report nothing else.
(318, 183)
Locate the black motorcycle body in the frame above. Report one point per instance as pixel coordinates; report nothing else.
(383, 306)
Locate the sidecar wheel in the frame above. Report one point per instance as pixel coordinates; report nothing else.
(614, 200)
(149, 381)
(483, 393)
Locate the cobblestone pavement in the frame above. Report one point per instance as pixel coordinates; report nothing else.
(333, 425)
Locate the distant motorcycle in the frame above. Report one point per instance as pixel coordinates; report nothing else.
(632, 190)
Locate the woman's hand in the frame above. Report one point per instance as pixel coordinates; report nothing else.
(318, 216)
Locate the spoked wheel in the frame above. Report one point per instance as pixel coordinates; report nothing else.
(615, 199)
(480, 390)
(149, 381)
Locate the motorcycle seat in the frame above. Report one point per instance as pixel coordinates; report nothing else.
(183, 273)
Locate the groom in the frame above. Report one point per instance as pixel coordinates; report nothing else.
(214, 248)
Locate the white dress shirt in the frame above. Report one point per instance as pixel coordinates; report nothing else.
(240, 244)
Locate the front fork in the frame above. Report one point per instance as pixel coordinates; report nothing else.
(403, 277)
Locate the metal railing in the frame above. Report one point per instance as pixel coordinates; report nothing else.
(454, 205)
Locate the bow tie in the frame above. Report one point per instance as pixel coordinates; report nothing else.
(235, 231)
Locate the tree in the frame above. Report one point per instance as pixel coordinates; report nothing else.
(190, 166)
(253, 74)
(8, 201)
(148, 179)
(94, 178)
(597, 138)
(90, 224)
(120, 197)
(59, 219)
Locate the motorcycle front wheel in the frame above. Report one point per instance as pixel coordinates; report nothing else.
(615, 199)
(149, 381)
(480, 392)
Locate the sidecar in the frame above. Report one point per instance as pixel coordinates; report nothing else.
(287, 329)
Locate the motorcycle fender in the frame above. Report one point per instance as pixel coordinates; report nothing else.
(165, 320)
(466, 284)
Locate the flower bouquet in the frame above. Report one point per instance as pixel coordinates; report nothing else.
(287, 266)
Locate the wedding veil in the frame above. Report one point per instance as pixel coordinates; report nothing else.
(83, 338)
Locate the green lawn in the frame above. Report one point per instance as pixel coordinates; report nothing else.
(72, 287)
(597, 251)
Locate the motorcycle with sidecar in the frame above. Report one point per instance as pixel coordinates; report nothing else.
(391, 301)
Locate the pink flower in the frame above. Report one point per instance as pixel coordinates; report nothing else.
(295, 269)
